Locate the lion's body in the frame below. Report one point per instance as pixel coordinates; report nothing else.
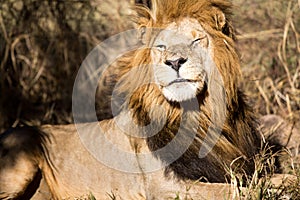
(188, 101)
(70, 171)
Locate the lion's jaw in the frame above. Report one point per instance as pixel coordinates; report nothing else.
(179, 55)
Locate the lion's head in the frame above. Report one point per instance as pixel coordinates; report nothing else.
(190, 68)
(179, 56)
(186, 47)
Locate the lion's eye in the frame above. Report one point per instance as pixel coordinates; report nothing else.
(197, 40)
(161, 47)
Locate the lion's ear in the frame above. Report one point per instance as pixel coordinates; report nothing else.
(220, 20)
(142, 34)
(223, 24)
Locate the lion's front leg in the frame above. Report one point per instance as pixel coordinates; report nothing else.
(161, 186)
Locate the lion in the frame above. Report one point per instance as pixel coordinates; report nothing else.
(184, 120)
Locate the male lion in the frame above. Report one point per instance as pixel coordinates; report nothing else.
(184, 120)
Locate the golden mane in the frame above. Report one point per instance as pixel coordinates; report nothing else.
(209, 14)
(240, 139)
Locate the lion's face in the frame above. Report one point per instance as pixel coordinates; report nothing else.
(179, 56)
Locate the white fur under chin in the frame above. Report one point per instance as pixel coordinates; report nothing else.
(180, 91)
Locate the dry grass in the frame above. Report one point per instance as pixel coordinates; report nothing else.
(269, 43)
(261, 185)
(42, 45)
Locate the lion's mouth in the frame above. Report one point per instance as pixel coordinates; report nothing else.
(182, 80)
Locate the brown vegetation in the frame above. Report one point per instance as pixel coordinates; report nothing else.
(42, 45)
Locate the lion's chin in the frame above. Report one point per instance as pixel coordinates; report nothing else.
(179, 92)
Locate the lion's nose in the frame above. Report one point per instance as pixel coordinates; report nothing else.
(176, 64)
